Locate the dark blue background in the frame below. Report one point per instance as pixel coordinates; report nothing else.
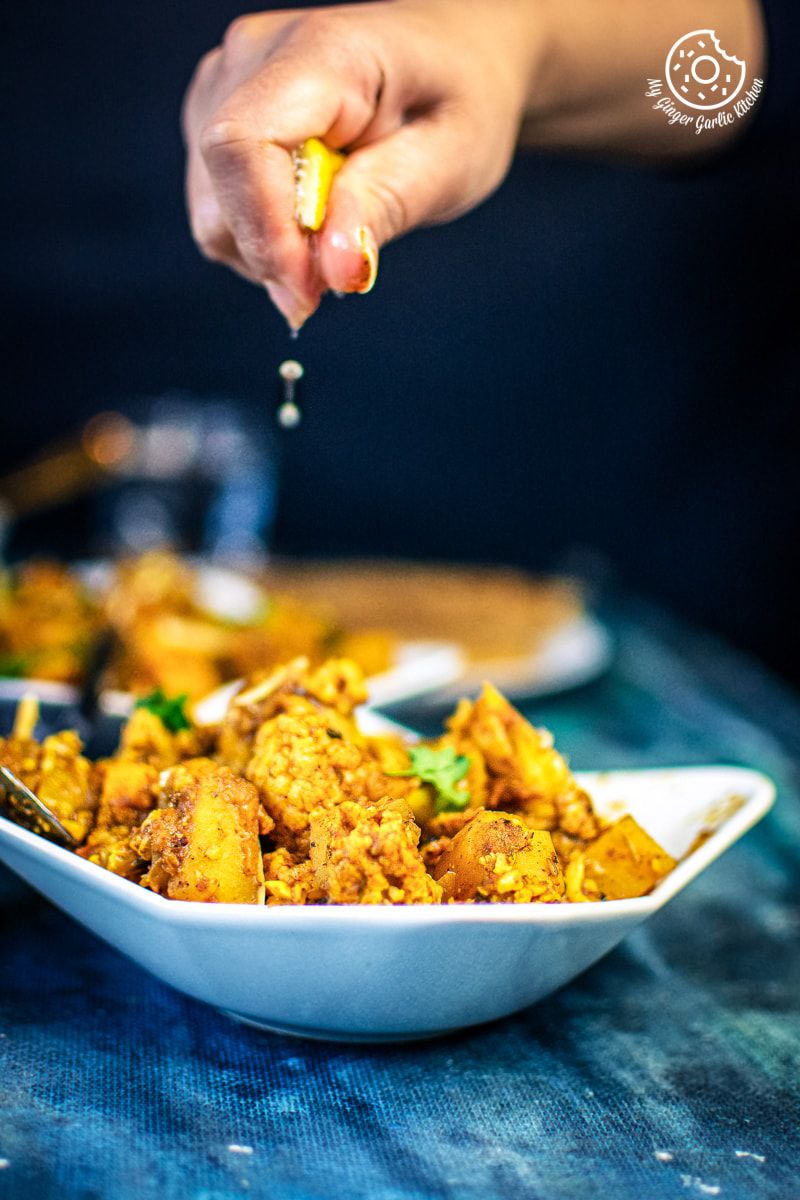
(600, 356)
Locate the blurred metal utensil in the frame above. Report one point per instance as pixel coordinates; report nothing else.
(100, 655)
(24, 808)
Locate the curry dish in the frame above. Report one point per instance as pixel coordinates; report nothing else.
(286, 801)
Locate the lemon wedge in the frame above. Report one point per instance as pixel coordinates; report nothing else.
(315, 165)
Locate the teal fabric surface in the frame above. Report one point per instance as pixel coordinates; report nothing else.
(669, 1070)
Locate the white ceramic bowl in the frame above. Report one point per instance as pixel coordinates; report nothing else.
(354, 973)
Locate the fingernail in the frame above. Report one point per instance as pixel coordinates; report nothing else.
(352, 259)
(370, 261)
(291, 306)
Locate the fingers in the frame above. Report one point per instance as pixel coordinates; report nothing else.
(208, 225)
(209, 228)
(421, 174)
(245, 165)
(347, 252)
(253, 186)
(283, 77)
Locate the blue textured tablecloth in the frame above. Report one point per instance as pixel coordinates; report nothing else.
(668, 1070)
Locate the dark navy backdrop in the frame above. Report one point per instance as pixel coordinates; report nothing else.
(600, 356)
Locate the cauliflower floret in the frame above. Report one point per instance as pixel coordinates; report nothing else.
(368, 854)
(335, 689)
(289, 879)
(300, 763)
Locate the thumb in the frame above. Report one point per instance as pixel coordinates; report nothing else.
(419, 175)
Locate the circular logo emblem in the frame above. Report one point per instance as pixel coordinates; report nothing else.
(700, 74)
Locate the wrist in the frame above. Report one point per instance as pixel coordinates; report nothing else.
(506, 35)
(518, 30)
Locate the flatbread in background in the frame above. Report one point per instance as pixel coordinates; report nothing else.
(496, 614)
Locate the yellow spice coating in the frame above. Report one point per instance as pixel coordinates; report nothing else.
(288, 802)
(204, 844)
(368, 854)
(498, 858)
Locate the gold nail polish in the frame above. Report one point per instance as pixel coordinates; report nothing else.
(370, 252)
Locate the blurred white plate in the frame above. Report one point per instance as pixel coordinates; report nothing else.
(575, 653)
(352, 973)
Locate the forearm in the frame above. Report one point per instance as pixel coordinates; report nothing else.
(593, 61)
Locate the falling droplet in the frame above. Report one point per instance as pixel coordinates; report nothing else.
(289, 415)
(290, 371)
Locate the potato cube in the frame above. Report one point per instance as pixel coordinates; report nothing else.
(498, 858)
(624, 862)
(204, 845)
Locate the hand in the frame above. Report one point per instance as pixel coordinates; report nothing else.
(426, 96)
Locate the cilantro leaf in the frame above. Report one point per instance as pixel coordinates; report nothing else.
(15, 666)
(171, 711)
(442, 769)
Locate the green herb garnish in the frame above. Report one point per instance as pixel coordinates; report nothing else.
(15, 666)
(442, 769)
(172, 712)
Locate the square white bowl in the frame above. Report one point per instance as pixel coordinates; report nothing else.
(360, 973)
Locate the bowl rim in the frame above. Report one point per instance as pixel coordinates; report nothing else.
(304, 917)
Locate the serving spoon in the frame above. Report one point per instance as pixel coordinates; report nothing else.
(17, 801)
(23, 807)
